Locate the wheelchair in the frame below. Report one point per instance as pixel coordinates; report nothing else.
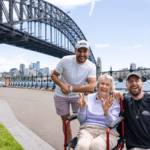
(118, 123)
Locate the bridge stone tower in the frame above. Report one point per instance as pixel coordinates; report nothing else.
(98, 67)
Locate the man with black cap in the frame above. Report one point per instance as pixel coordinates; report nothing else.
(74, 70)
(137, 114)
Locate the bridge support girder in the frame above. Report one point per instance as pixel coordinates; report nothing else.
(11, 12)
(1, 11)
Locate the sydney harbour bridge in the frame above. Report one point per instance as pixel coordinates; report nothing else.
(39, 26)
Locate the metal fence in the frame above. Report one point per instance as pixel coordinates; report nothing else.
(120, 78)
(46, 82)
(32, 81)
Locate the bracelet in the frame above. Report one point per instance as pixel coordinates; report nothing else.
(70, 88)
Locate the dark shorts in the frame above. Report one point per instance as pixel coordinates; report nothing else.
(62, 105)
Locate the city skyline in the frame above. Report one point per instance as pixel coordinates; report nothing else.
(25, 66)
(117, 31)
(97, 62)
(32, 69)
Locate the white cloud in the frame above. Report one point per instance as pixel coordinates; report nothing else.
(128, 49)
(102, 45)
(137, 46)
(15, 61)
(92, 8)
(70, 4)
(6, 65)
(66, 4)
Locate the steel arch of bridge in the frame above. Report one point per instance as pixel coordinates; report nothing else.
(62, 29)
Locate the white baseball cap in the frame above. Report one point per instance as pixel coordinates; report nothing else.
(82, 43)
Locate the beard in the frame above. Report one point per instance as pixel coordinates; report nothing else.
(78, 58)
(135, 94)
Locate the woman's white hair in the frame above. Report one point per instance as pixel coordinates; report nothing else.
(106, 76)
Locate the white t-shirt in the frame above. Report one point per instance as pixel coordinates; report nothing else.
(73, 73)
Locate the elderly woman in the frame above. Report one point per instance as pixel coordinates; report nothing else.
(96, 112)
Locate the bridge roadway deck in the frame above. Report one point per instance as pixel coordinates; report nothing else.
(35, 109)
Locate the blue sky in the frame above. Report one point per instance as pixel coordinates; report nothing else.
(118, 32)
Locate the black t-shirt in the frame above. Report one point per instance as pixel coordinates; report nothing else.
(137, 131)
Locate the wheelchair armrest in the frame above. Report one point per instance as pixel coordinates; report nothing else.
(72, 117)
(116, 122)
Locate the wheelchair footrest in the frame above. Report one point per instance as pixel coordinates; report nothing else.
(72, 143)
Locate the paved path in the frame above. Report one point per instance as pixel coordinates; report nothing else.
(36, 111)
(22, 134)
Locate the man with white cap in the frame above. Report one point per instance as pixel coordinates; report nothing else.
(137, 114)
(74, 70)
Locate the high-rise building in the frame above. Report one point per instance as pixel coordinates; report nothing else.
(46, 71)
(12, 71)
(37, 66)
(32, 72)
(22, 67)
(34, 66)
(99, 67)
(31, 66)
(26, 71)
(133, 65)
(16, 73)
(1, 74)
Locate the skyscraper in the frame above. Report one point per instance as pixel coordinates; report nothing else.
(34, 66)
(22, 67)
(37, 66)
(26, 71)
(46, 71)
(31, 66)
(99, 67)
(133, 65)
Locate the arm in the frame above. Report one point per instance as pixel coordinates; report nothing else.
(64, 87)
(111, 109)
(81, 115)
(113, 113)
(82, 110)
(86, 88)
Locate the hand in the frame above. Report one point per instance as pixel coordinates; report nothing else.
(117, 95)
(107, 104)
(82, 101)
(65, 88)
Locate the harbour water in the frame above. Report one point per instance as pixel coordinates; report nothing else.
(122, 85)
(2, 82)
(118, 85)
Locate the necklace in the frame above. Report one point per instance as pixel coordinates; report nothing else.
(137, 113)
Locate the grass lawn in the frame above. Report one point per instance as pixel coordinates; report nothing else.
(7, 141)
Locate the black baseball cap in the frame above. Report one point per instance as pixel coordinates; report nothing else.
(133, 74)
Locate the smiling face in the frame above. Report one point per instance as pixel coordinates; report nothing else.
(134, 85)
(81, 55)
(104, 87)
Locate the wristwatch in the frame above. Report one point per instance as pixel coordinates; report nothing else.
(70, 88)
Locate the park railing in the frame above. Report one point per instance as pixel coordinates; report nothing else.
(32, 81)
(46, 82)
(120, 77)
